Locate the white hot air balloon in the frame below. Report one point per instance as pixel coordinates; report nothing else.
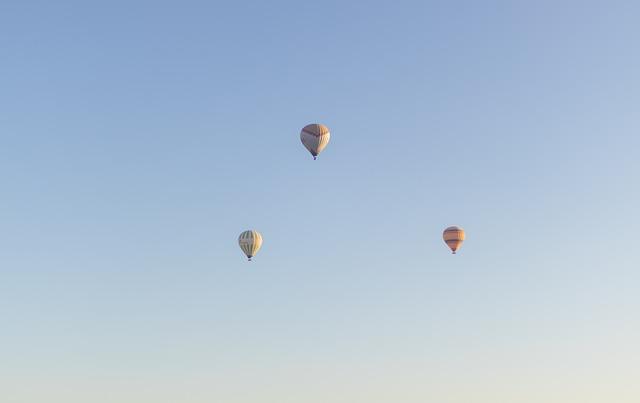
(315, 138)
(250, 242)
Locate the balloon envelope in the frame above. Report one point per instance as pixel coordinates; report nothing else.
(315, 138)
(250, 242)
(453, 237)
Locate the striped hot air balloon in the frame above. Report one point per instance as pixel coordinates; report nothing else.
(453, 237)
(250, 242)
(315, 138)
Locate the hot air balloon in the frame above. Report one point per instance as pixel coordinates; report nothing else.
(250, 242)
(453, 237)
(315, 138)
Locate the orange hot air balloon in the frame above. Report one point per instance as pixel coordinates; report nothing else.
(453, 237)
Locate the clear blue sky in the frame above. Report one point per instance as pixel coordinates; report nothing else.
(138, 139)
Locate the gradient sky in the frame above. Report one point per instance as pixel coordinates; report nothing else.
(139, 138)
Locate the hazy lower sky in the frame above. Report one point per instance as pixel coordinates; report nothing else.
(139, 138)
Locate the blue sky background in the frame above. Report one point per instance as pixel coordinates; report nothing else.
(138, 139)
